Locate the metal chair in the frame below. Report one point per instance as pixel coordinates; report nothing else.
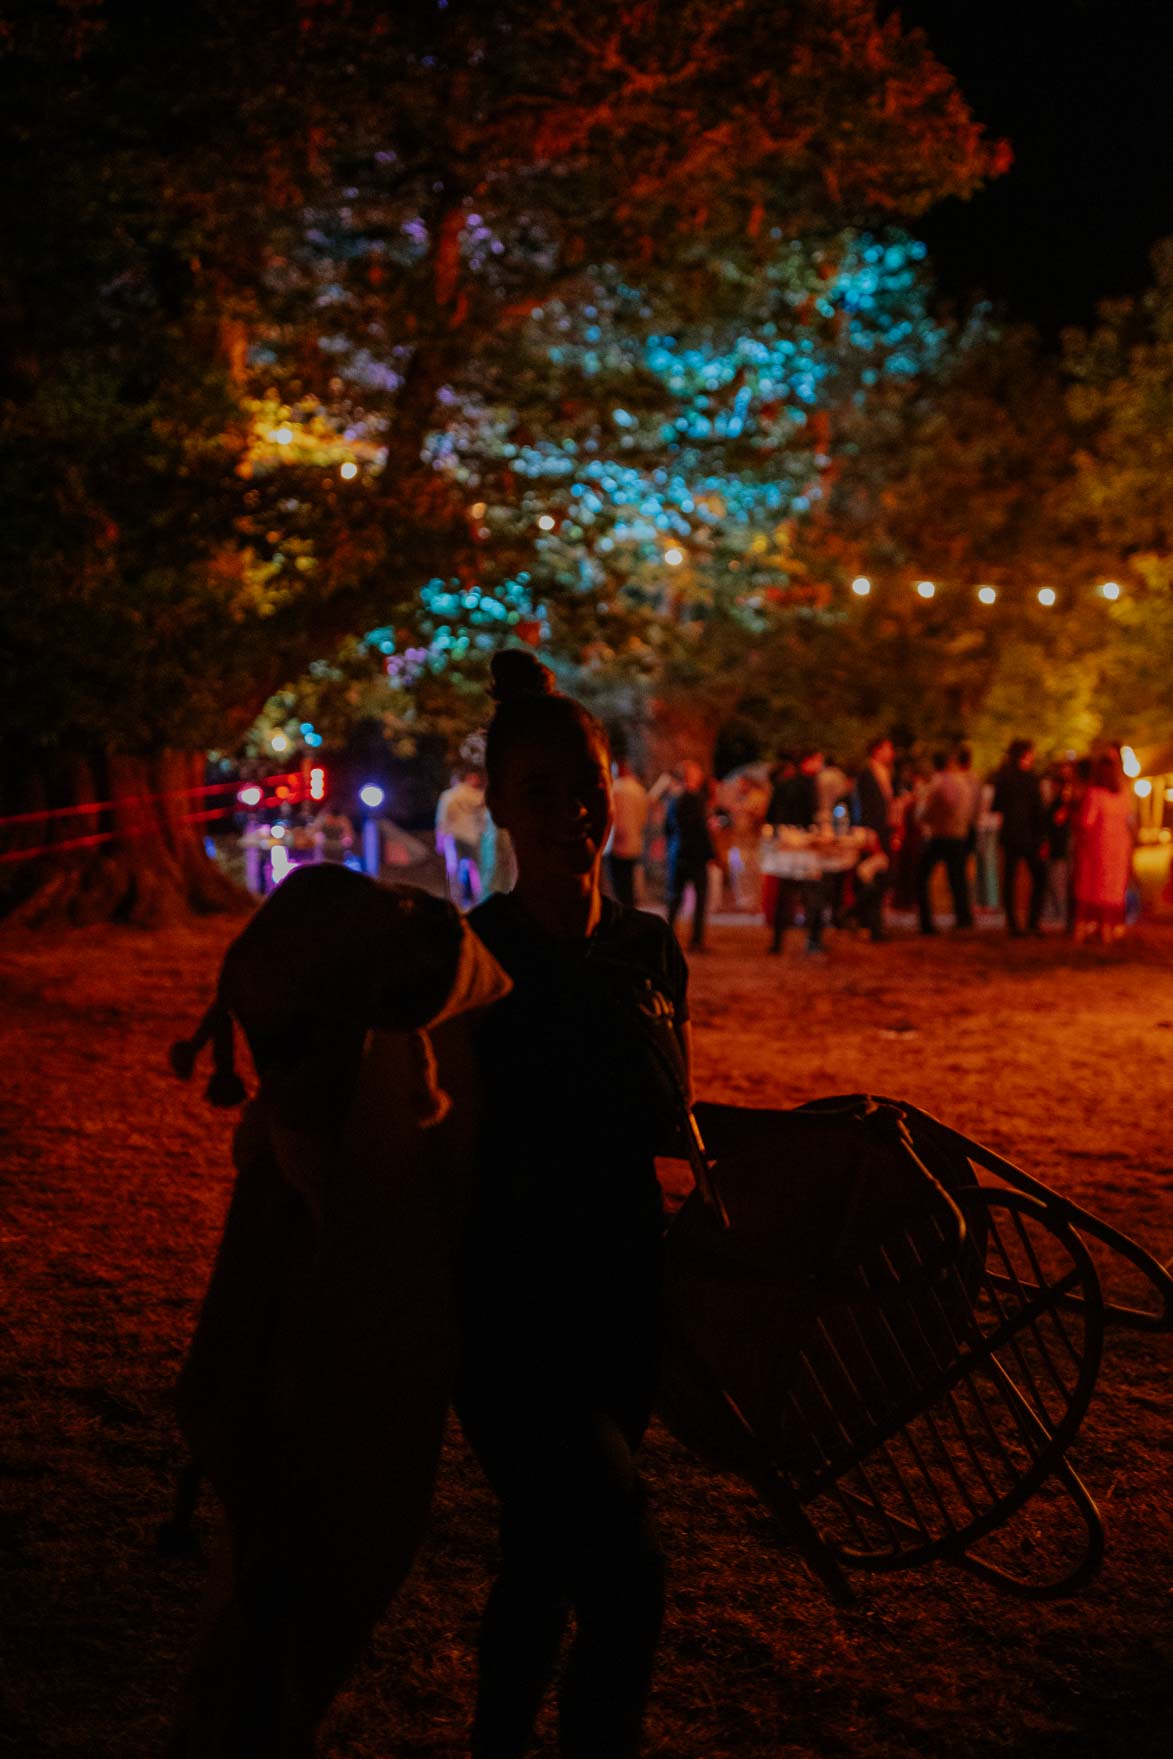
(895, 1354)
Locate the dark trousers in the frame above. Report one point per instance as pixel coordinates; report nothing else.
(950, 850)
(811, 895)
(683, 873)
(869, 904)
(1012, 859)
(556, 1437)
(621, 872)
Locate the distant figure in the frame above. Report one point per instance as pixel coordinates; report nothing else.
(872, 807)
(625, 852)
(911, 785)
(795, 801)
(973, 783)
(1061, 808)
(333, 833)
(1104, 836)
(690, 849)
(833, 785)
(460, 826)
(1018, 799)
(794, 798)
(945, 813)
(747, 802)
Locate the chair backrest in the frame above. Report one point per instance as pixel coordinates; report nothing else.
(910, 1384)
(922, 1415)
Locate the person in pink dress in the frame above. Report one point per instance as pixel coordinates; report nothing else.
(1104, 839)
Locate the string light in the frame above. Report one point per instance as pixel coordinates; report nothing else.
(925, 588)
(284, 436)
(1110, 589)
(478, 509)
(674, 557)
(861, 586)
(987, 595)
(1143, 788)
(279, 742)
(545, 523)
(1046, 595)
(349, 469)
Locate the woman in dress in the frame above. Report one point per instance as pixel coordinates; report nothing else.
(585, 1066)
(1104, 836)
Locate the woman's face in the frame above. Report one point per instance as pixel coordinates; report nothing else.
(555, 802)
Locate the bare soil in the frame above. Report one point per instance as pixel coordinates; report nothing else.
(114, 1186)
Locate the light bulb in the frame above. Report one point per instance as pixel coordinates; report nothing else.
(861, 586)
(987, 595)
(925, 588)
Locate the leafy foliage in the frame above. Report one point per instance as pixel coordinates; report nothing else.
(1121, 500)
(331, 220)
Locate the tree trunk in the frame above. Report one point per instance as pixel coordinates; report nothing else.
(146, 863)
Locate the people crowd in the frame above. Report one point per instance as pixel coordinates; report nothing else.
(806, 842)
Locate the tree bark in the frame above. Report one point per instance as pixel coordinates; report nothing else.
(150, 867)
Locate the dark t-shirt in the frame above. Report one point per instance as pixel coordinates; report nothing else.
(686, 827)
(560, 1292)
(1018, 796)
(576, 1085)
(793, 801)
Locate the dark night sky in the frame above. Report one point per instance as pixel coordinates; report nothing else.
(1083, 90)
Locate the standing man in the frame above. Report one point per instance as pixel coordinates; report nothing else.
(945, 814)
(690, 849)
(629, 804)
(872, 808)
(1018, 799)
(460, 825)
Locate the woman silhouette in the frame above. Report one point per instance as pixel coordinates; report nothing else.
(585, 1066)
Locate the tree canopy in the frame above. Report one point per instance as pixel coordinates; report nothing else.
(248, 247)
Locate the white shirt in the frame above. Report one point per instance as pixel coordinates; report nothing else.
(461, 813)
(947, 808)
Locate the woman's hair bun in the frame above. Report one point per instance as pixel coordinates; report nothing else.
(518, 673)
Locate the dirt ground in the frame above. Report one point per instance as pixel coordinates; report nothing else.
(114, 1185)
